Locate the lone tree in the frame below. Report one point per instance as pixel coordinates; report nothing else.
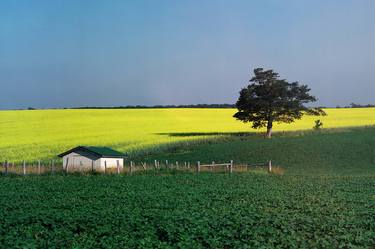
(269, 99)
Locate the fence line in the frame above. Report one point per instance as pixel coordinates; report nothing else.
(52, 167)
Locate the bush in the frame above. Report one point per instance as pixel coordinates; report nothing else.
(318, 124)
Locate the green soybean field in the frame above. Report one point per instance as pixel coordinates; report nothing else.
(187, 211)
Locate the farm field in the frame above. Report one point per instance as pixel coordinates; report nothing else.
(325, 199)
(122, 124)
(344, 152)
(41, 134)
(187, 211)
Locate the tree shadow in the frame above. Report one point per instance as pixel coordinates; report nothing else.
(201, 134)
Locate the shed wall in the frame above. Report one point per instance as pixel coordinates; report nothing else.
(111, 162)
(77, 162)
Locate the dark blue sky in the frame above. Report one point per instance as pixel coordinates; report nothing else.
(105, 53)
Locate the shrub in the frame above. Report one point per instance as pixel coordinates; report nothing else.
(318, 124)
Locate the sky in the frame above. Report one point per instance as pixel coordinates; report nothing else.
(73, 53)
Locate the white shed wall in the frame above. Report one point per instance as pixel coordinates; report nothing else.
(111, 162)
(77, 162)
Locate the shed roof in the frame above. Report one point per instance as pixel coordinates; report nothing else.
(96, 151)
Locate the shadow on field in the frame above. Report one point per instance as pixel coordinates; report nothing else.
(275, 134)
(200, 134)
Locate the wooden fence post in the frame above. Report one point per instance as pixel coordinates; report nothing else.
(118, 167)
(105, 166)
(198, 166)
(188, 165)
(231, 166)
(156, 164)
(92, 165)
(176, 164)
(212, 167)
(24, 167)
(6, 167)
(269, 166)
(38, 167)
(131, 167)
(166, 164)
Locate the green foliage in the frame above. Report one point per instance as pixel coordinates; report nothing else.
(348, 151)
(187, 211)
(318, 124)
(269, 99)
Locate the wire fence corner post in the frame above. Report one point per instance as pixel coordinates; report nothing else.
(24, 167)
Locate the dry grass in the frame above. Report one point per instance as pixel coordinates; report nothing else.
(137, 168)
(277, 170)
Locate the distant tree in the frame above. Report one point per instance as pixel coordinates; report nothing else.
(354, 105)
(269, 99)
(318, 124)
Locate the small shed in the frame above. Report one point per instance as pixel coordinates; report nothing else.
(85, 158)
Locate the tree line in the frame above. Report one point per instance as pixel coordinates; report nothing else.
(157, 106)
(352, 105)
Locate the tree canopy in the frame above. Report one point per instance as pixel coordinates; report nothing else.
(268, 99)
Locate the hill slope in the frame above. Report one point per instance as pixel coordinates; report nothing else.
(329, 152)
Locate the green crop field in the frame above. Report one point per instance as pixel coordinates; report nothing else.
(41, 134)
(324, 199)
(187, 211)
(343, 152)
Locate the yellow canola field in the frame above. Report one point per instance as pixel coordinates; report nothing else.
(41, 134)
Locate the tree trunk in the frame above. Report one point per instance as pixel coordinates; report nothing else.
(269, 129)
